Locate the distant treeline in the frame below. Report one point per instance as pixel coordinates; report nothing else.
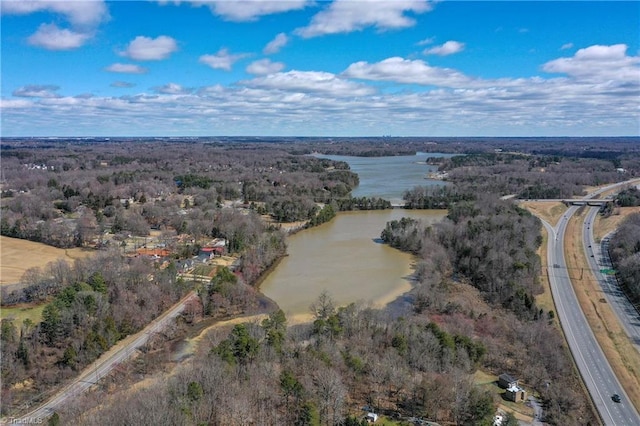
(535, 176)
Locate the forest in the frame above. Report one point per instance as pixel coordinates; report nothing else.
(419, 365)
(624, 249)
(472, 306)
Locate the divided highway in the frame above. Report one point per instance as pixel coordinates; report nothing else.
(594, 367)
(600, 266)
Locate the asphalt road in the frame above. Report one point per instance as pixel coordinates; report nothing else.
(107, 362)
(594, 367)
(599, 263)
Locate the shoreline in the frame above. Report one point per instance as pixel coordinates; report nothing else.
(396, 299)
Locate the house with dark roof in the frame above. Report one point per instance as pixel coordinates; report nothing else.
(505, 381)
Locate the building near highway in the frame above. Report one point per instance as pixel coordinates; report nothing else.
(513, 391)
(505, 381)
(515, 394)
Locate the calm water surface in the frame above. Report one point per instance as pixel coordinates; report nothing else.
(389, 177)
(344, 258)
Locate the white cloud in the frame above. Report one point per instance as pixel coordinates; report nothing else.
(250, 10)
(407, 71)
(566, 46)
(344, 16)
(311, 103)
(172, 89)
(245, 10)
(50, 37)
(426, 41)
(310, 82)
(37, 91)
(222, 60)
(448, 48)
(447, 102)
(122, 84)
(126, 68)
(78, 13)
(84, 17)
(276, 44)
(599, 62)
(15, 103)
(264, 66)
(150, 49)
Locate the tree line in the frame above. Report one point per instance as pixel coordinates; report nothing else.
(534, 176)
(101, 300)
(78, 192)
(624, 249)
(491, 244)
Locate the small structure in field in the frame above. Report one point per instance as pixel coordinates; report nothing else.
(516, 394)
(513, 391)
(371, 417)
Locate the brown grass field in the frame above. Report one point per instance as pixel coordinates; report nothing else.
(550, 212)
(604, 225)
(22, 312)
(16, 256)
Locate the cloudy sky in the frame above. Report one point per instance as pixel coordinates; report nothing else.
(320, 68)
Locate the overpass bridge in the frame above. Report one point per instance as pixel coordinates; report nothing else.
(573, 201)
(586, 202)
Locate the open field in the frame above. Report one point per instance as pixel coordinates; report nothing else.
(550, 212)
(489, 383)
(623, 357)
(605, 225)
(21, 313)
(16, 256)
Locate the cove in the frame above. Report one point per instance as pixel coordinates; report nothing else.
(345, 258)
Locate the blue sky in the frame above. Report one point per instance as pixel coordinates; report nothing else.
(320, 68)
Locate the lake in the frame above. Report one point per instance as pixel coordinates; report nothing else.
(389, 177)
(344, 257)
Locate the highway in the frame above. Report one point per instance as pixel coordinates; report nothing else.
(107, 362)
(597, 374)
(599, 261)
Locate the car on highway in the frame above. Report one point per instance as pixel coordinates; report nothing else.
(615, 397)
